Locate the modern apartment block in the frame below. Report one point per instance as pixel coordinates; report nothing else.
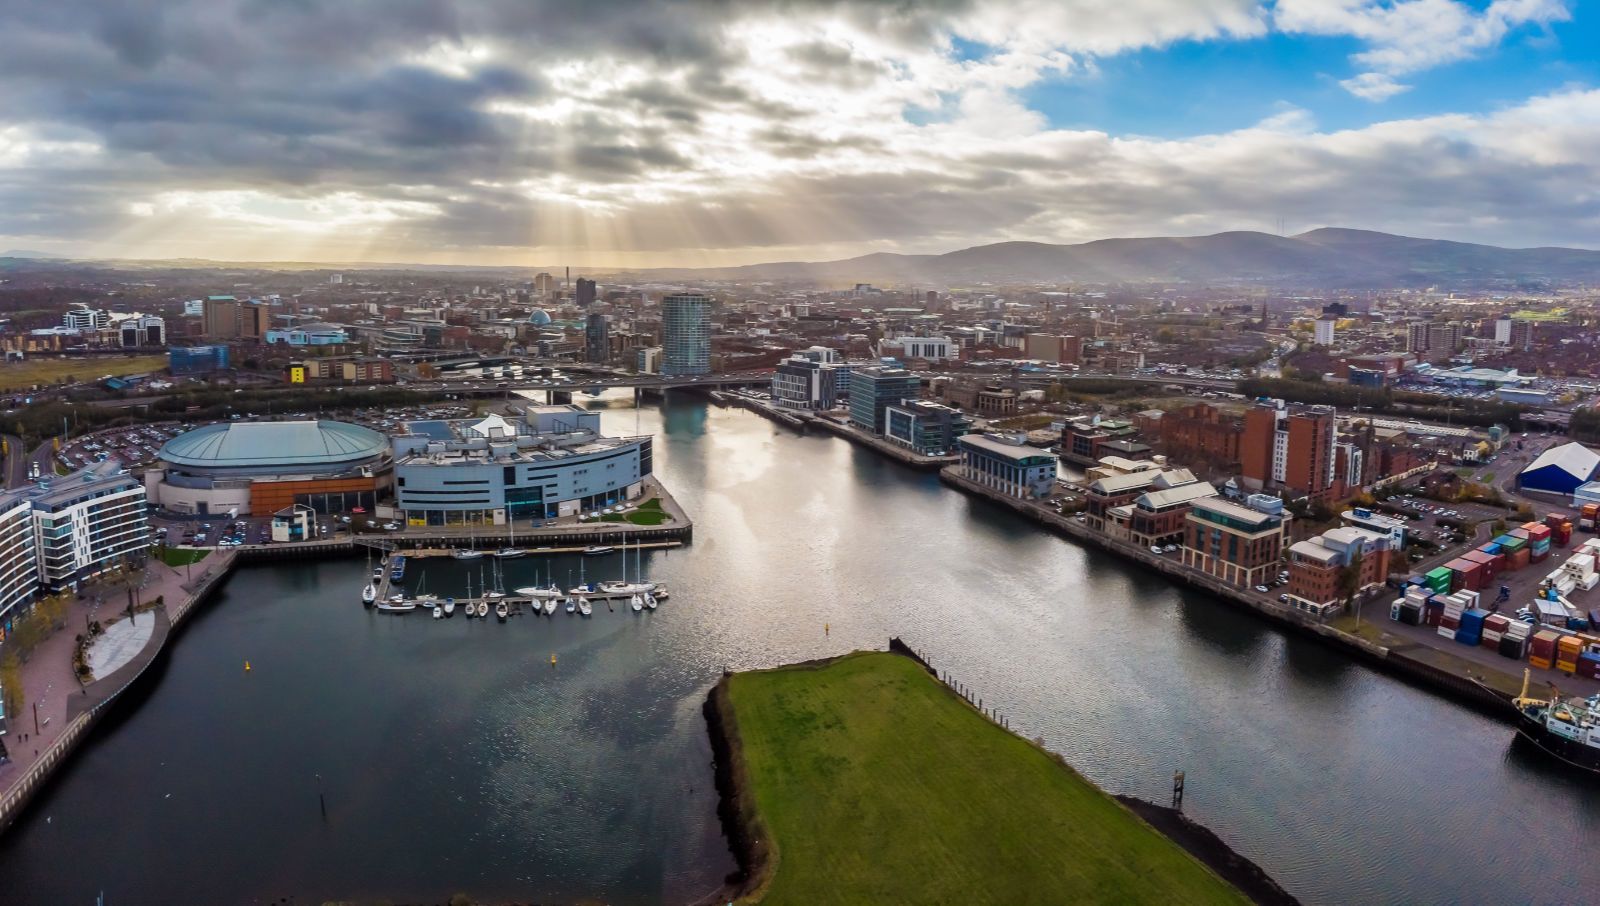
(59, 531)
(1290, 448)
(924, 428)
(685, 334)
(814, 378)
(1316, 565)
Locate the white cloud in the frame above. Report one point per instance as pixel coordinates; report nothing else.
(1407, 36)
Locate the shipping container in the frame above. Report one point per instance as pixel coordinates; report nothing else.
(1543, 663)
(1519, 533)
(1432, 611)
(1439, 580)
(1410, 614)
(1543, 645)
(1466, 575)
(1517, 559)
(1589, 665)
(1514, 647)
(1554, 520)
(1563, 535)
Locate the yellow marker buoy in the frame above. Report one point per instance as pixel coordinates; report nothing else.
(826, 628)
(552, 658)
(246, 666)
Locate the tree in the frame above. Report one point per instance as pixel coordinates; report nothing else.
(11, 684)
(1350, 576)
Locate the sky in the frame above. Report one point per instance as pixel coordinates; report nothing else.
(645, 133)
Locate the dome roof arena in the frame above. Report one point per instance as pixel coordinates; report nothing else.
(275, 446)
(539, 318)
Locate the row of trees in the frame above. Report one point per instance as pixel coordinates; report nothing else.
(1384, 401)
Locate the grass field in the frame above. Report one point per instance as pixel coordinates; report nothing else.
(648, 513)
(174, 557)
(23, 375)
(876, 784)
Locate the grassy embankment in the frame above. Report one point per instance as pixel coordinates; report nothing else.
(175, 557)
(44, 372)
(866, 780)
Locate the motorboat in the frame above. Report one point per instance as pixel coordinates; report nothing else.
(369, 595)
(509, 553)
(466, 553)
(483, 609)
(397, 605)
(572, 605)
(649, 601)
(449, 607)
(595, 550)
(583, 607)
(438, 612)
(549, 606)
(492, 595)
(587, 588)
(636, 604)
(501, 611)
(534, 591)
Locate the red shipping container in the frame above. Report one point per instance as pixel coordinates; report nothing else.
(1563, 535)
(1465, 574)
(1519, 533)
(1496, 622)
(1518, 560)
(1543, 644)
(1554, 520)
(1538, 532)
(1484, 560)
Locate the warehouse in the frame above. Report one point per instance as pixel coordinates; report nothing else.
(1560, 470)
(263, 467)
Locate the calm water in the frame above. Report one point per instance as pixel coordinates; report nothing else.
(453, 757)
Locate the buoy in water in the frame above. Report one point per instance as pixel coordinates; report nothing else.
(825, 628)
(552, 658)
(246, 666)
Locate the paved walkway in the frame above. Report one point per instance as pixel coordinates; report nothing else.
(48, 681)
(120, 642)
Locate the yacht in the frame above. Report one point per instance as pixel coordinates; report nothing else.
(466, 553)
(369, 595)
(549, 606)
(649, 601)
(509, 553)
(397, 604)
(636, 603)
(583, 607)
(438, 612)
(449, 607)
(572, 605)
(595, 550)
(501, 611)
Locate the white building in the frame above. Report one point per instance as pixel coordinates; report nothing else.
(19, 562)
(1324, 328)
(87, 522)
(82, 317)
(933, 349)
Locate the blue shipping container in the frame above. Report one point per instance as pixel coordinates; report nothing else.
(1470, 637)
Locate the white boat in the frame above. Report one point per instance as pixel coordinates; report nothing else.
(534, 591)
(649, 601)
(583, 607)
(623, 589)
(549, 606)
(501, 611)
(369, 595)
(466, 553)
(492, 595)
(636, 604)
(438, 612)
(594, 550)
(483, 609)
(449, 607)
(400, 606)
(572, 605)
(509, 553)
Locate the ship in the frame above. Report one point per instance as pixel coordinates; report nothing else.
(1568, 728)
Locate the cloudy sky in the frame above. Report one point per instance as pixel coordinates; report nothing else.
(642, 133)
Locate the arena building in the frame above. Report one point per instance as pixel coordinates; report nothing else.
(543, 462)
(263, 467)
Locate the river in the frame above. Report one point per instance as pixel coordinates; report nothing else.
(365, 755)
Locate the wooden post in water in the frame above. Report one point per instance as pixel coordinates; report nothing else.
(1177, 790)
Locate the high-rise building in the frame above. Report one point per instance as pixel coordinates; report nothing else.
(686, 334)
(1324, 327)
(874, 389)
(1292, 449)
(1502, 331)
(221, 317)
(545, 284)
(82, 317)
(585, 292)
(1434, 340)
(143, 330)
(813, 378)
(1520, 336)
(253, 321)
(86, 522)
(596, 336)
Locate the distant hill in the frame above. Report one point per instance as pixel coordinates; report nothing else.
(1325, 257)
(24, 253)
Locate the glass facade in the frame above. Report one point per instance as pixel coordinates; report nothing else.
(686, 334)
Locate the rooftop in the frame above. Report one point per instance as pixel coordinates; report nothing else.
(311, 442)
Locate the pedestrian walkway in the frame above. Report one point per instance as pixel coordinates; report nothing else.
(119, 644)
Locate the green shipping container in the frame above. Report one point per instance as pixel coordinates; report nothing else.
(1513, 544)
(1439, 580)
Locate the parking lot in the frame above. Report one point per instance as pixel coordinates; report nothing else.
(134, 447)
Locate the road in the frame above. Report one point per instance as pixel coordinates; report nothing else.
(16, 463)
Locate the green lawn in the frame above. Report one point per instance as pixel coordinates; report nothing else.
(647, 513)
(174, 557)
(876, 784)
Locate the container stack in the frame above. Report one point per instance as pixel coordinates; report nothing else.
(1450, 618)
(1589, 665)
(1587, 516)
(1538, 541)
(1433, 611)
(1516, 551)
(1560, 529)
(1514, 643)
(1438, 580)
(1499, 557)
(1494, 629)
(1471, 629)
(1413, 606)
(1465, 574)
(1568, 647)
(1488, 572)
(1542, 648)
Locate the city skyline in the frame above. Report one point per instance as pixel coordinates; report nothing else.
(704, 135)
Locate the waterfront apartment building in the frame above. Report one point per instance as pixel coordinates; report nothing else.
(87, 522)
(19, 561)
(685, 334)
(1291, 448)
(873, 389)
(1007, 465)
(1317, 564)
(1238, 544)
(814, 378)
(924, 428)
(545, 462)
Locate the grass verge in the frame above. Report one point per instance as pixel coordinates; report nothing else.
(648, 513)
(865, 780)
(44, 372)
(173, 556)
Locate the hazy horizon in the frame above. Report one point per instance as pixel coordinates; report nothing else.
(651, 134)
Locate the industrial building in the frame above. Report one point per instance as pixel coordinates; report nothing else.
(1561, 470)
(263, 467)
(544, 462)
